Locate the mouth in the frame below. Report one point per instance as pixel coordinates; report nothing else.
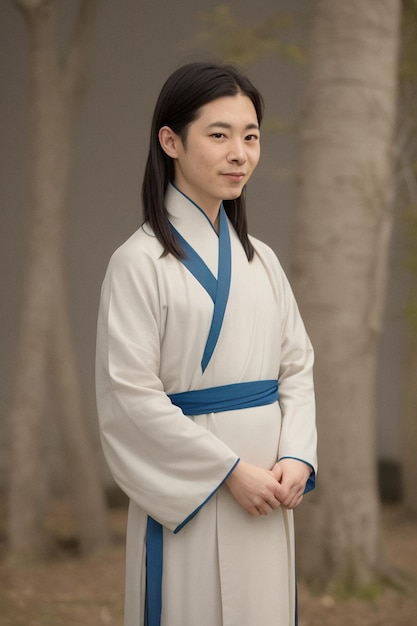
(234, 176)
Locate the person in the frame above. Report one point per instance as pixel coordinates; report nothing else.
(204, 374)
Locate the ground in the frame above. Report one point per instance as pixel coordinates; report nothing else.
(67, 591)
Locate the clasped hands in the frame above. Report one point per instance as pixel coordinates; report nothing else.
(260, 491)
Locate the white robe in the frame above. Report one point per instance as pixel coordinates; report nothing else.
(224, 567)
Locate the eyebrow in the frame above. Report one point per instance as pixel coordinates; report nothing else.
(251, 126)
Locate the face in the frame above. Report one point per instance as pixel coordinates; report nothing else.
(219, 154)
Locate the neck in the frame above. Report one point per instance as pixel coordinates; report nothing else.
(211, 213)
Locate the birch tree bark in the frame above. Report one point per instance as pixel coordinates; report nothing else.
(55, 95)
(343, 226)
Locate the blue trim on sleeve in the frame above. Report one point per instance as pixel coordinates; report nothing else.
(194, 513)
(311, 481)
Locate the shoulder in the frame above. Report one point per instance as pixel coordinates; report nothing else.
(142, 247)
(265, 252)
(134, 265)
(132, 274)
(272, 266)
(131, 285)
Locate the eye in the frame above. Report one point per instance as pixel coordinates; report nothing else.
(251, 137)
(218, 135)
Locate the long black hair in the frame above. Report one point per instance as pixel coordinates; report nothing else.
(187, 90)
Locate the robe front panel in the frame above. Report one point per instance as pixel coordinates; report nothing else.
(249, 343)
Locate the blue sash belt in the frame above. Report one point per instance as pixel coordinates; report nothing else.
(226, 397)
(212, 400)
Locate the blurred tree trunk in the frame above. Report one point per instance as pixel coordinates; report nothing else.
(410, 439)
(406, 152)
(87, 489)
(343, 227)
(55, 95)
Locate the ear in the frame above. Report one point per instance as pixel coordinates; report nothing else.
(169, 141)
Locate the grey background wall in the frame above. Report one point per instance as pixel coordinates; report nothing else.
(136, 44)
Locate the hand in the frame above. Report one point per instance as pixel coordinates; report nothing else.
(292, 476)
(255, 489)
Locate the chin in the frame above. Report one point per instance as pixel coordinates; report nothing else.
(233, 195)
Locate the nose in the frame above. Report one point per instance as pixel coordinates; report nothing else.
(237, 152)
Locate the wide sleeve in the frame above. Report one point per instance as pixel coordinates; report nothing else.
(160, 458)
(296, 388)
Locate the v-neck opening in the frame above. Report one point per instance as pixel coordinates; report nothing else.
(217, 288)
(200, 209)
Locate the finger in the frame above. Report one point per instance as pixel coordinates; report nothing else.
(273, 503)
(292, 493)
(264, 508)
(280, 492)
(294, 502)
(254, 511)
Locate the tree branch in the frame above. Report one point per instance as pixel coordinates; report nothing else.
(74, 64)
(28, 7)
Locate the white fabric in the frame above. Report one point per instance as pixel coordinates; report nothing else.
(224, 568)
